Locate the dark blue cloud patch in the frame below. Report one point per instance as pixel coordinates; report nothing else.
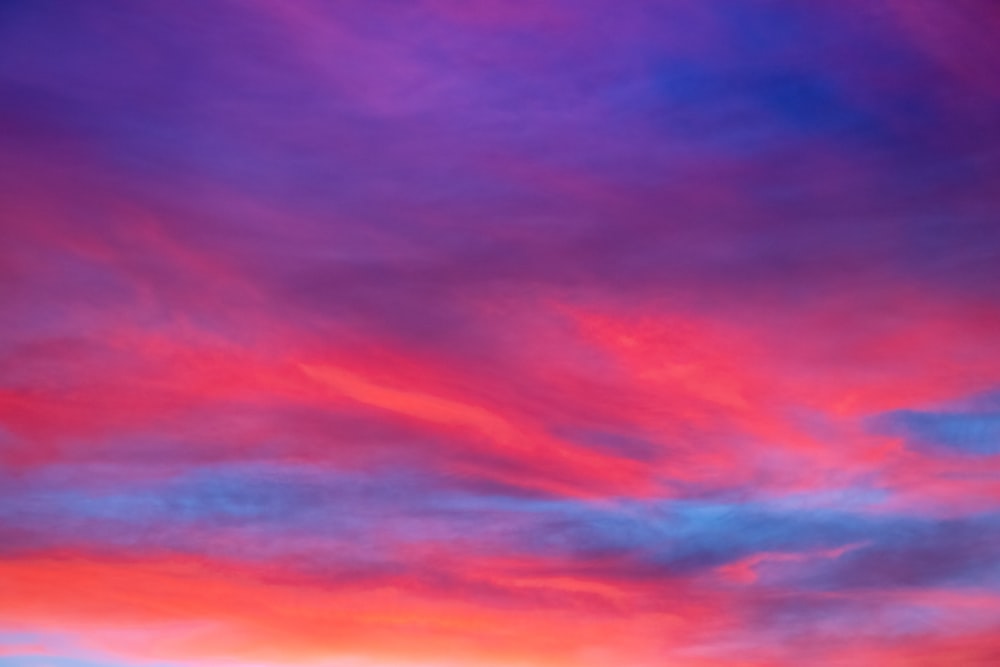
(806, 102)
(731, 110)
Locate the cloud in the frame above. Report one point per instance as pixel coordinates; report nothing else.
(969, 433)
(548, 334)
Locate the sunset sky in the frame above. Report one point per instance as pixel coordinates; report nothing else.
(499, 333)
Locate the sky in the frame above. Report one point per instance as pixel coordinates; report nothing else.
(499, 333)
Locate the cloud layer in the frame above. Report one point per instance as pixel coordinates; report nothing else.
(535, 334)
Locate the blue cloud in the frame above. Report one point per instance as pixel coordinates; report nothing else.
(976, 433)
